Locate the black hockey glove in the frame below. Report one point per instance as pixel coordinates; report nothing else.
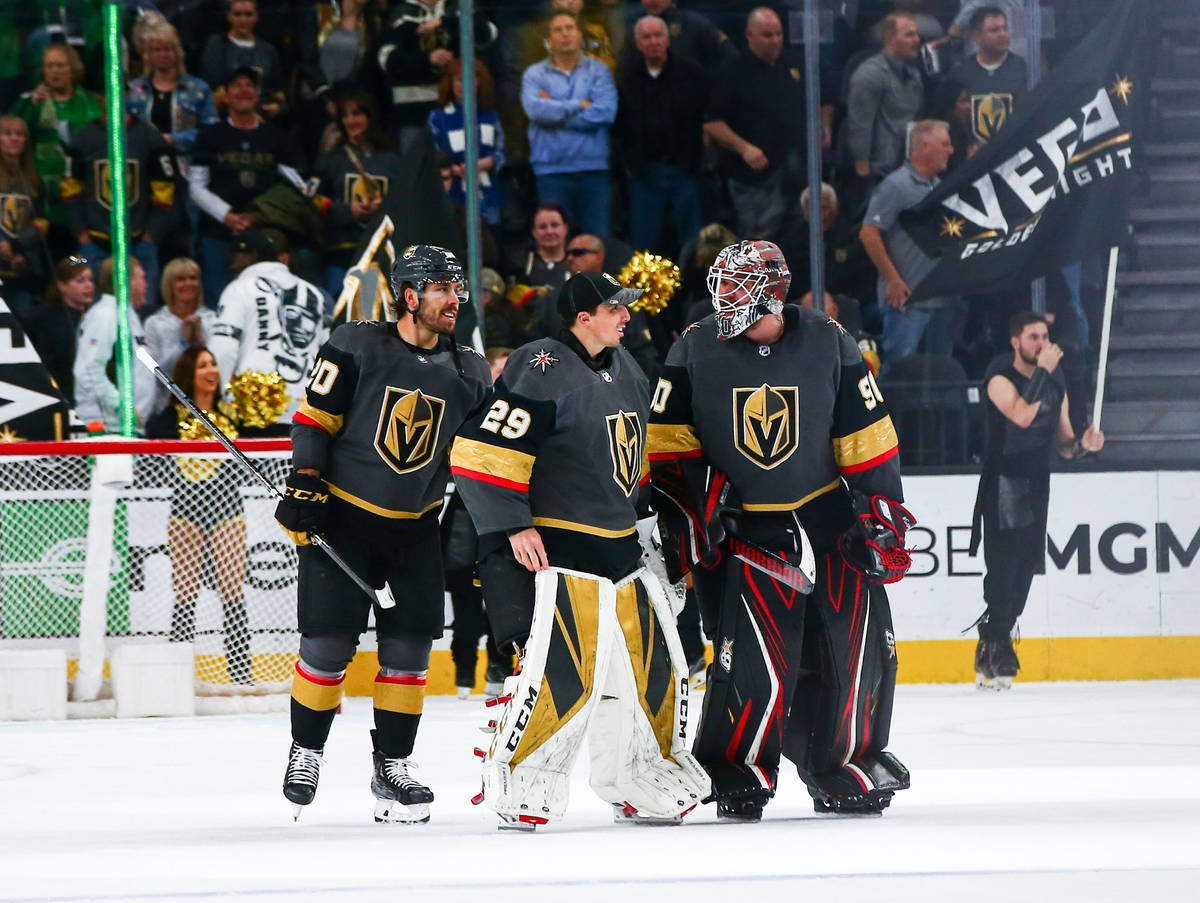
(302, 509)
(874, 546)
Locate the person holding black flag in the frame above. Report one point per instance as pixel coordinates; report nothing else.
(1028, 415)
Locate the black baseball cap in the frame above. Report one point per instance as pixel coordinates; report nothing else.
(243, 72)
(584, 291)
(254, 242)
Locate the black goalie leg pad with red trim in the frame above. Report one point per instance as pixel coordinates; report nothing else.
(839, 724)
(756, 647)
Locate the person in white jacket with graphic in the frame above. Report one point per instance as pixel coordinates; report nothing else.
(269, 320)
(97, 397)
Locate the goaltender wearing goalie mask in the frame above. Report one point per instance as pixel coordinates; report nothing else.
(748, 281)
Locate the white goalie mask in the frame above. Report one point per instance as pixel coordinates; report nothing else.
(747, 282)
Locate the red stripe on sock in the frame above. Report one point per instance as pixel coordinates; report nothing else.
(319, 679)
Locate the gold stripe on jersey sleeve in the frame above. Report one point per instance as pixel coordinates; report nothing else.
(162, 193)
(330, 423)
(491, 460)
(382, 512)
(866, 444)
(581, 528)
(792, 506)
(671, 439)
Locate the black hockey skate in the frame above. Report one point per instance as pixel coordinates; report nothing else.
(744, 808)
(494, 679)
(842, 793)
(300, 779)
(985, 668)
(1005, 663)
(399, 797)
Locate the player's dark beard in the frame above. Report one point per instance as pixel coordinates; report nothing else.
(431, 318)
(1030, 360)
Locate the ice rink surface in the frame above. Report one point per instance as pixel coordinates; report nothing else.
(1058, 791)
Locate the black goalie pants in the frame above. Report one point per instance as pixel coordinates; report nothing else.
(811, 676)
(842, 713)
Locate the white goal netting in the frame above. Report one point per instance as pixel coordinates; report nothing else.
(148, 542)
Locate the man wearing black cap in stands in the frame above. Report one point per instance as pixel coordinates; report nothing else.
(235, 161)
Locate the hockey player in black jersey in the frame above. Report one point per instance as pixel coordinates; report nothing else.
(772, 451)
(369, 453)
(553, 475)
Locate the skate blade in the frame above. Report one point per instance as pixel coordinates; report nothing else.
(627, 815)
(394, 812)
(296, 810)
(872, 807)
(525, 824)
(982, 682)
(1003, 683)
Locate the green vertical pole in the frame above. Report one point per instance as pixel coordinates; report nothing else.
(466, 30)
(114, 96)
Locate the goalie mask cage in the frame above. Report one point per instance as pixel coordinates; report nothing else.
(104, 543)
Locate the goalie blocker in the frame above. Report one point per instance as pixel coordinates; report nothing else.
(602, 660)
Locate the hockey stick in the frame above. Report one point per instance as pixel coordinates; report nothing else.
(770, 564)
(382, 596)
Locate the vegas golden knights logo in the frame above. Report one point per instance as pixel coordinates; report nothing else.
(409, 423)
(356, 188)
(988, 113)
(625, 445)
(102, 182)
(764, 423)
(16, 213)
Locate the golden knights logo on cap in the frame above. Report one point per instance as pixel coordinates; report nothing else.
(410, 251)
(625, 441)
(409, 423)
(764, 423)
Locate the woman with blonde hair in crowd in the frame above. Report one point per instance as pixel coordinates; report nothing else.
(51, 111)
(165, 95)
(22, 228)
(182, 322)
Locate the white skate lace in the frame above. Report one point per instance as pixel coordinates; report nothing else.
(396, 771)
(304, 766)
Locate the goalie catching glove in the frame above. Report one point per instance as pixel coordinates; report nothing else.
(302, 509)
(874, 546)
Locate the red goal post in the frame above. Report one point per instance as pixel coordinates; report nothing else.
(107, 542)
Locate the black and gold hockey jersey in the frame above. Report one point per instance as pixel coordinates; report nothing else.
(379, 416)
(149, 183)
(562, 445)
(785, 422)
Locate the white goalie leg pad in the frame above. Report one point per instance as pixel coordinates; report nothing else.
(638, 735)
(526, 769)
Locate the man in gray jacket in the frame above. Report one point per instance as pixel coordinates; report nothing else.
(885, 96)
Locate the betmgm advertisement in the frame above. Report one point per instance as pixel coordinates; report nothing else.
(1120, 598)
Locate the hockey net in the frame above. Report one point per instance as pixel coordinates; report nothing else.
(137, 541)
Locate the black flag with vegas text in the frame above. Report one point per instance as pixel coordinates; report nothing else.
(31, 407)
(1053, 184)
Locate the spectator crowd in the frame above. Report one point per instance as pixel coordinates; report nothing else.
(271, 131)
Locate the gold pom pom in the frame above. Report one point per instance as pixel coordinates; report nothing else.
(654, 273)
(192, 428)
(258, 398)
